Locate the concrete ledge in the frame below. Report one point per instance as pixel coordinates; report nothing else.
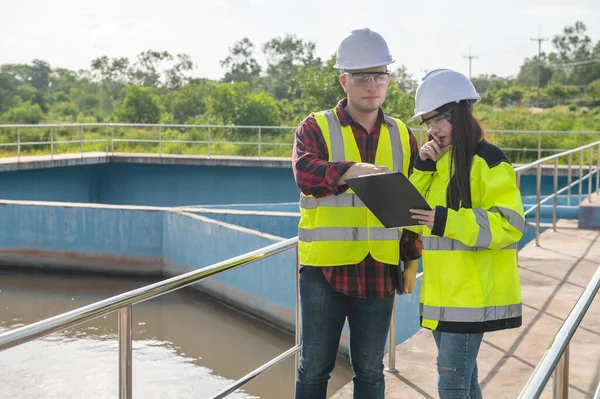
(78, 262)
(589, 213)
(93, 158)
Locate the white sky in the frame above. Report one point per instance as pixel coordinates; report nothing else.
(420, 34)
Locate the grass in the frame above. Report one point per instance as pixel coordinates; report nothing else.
(229, 141)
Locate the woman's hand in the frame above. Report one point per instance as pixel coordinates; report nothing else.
(432, 150)
(424, 217)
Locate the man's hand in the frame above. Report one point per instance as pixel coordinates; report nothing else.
(432, 150)
(359, 169)
(409, 275)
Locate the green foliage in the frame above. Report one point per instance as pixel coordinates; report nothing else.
(155, 87)
(25, 113)
(140, 106)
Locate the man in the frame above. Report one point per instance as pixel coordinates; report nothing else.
(349, 261)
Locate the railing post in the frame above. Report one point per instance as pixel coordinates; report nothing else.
(18, 144)
(125, 353)
(539, 144)
(259, 139)
(590, 175)
(580, 177)
(298, 313)
(555, 194)
(81, 129)
(209, 142)
(569, 178)
(538, 193)
(598, 169)
(112, 139)
(52, 142)
(106, 135)
(160, 141)
(561, 376)
(392, 341)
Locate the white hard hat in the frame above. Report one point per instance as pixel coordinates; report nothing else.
(363, 48)
(440, 87)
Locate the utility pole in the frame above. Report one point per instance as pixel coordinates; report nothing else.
(539, 39)
(470, 57)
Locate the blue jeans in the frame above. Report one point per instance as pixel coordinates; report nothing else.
(457, 365)
(323, 313)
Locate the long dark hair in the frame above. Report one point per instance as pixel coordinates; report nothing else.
(466, 135)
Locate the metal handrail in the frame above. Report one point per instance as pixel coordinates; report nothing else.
(557, 353)
(260, 143)
(167, 125)
(123, 304)
(570, 184)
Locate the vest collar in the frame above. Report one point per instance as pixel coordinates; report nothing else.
(345, 118)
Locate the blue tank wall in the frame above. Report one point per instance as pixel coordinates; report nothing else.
(57, 184)
(153, 185)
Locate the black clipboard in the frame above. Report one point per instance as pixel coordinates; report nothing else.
(389, 196)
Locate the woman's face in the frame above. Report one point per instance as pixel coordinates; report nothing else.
(439, 127)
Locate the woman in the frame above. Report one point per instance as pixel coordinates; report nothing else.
(470, 277)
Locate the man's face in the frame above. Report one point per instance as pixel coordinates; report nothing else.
(366, 88)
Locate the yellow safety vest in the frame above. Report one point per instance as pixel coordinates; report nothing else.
(470, 271)
(339, 229)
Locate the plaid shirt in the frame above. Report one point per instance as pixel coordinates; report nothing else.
(317, 177)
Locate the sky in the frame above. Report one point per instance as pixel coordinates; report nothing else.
(420, 34)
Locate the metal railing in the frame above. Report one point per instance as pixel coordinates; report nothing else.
(123, 304)
(156, 138)
(593, 170)
(556, 357)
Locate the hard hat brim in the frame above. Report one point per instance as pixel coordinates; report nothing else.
(362, 66)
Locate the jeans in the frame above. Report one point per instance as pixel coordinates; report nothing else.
(323, 313)
(457, 357)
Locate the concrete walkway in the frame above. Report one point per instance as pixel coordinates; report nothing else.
(553, 276)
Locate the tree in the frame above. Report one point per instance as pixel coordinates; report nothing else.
(176, 76)
(575, 55)
(8, 85)
(140, 106)
(593, 91)
(284, 57)
(240, 64)
(188, 102)
(145, 71)
(258, 110)
(26, 113)
(320, 86)
(404, 80)
(528, 71)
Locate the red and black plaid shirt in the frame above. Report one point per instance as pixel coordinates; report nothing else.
(318, 177)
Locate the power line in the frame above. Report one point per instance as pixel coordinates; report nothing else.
(539, 39)
(470, 57)
(575, 63)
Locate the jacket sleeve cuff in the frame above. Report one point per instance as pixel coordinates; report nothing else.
(425, 166)
(439, 223)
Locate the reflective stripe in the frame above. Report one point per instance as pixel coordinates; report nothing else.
(448, 244)
(471, 314)
(335, 133)
(344, 199)
(397, 153)
(513, 217)
(382, 234)
(347, 234)
(484, 238)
